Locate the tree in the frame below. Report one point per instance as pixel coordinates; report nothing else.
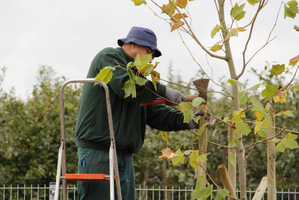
(30, 131)
(222, 50)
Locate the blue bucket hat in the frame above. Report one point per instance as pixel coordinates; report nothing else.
(143, 37)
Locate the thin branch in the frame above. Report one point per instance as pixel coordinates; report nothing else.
(203, 89)
(293, 79)
(190, 32)
(261, 5)
(260, 141)
(201, 66)
(193, 35)
(221, 145)
(249, 37)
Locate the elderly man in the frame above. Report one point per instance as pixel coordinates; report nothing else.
(129, 118)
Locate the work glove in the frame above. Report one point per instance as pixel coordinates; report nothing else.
(174, 96)
(193, 124)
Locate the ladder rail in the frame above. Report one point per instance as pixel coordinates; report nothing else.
(113, 165)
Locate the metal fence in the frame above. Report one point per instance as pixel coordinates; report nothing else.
(26, 192)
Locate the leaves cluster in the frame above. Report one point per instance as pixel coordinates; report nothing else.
(144, 69)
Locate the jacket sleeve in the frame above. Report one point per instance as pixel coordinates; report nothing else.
(165, 118)
(120, 77)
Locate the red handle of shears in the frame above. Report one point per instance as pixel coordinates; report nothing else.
(157, 101)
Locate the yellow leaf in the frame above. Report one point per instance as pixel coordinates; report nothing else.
(176, 24)
(294, 60)
(240, 113)
(178, 16)
(168, 154)
(169, 9)
(181, 3)
(258, 115)
(257, 127)
(280, 96)
(164, 135)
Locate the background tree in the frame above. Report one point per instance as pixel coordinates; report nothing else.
(30, 130)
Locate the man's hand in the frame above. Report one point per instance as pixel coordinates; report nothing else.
(193, 124)
(174, 96)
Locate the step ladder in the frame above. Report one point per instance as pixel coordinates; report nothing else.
(62, 174)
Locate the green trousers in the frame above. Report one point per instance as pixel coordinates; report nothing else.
(93, 161)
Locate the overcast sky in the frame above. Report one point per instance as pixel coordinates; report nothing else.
(68, 34)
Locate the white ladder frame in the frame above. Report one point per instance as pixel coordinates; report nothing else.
(61, 163)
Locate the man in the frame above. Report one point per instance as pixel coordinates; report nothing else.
(129, 118)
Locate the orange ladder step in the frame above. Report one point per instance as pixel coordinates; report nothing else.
(86, 177)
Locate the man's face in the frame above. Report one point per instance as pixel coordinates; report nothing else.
(143, 50)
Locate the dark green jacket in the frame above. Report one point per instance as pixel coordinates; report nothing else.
(129, 118)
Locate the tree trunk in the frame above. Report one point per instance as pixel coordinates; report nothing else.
(232, 155)
(202, 146)
(230, 62)
(271, 160)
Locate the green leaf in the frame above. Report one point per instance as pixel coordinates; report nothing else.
(146, 59)
(216, 47)
(203, 193)
(270, 90)
(253, 2)
(237, 12)
(130, 85)
(255, 87)
(277, 69)
(130, 88)
(291, 9)
(179, 159)
(147, 69)
(193, 159)
(296, 86)
(241, 126)
(140, 80)
(187, 111)
(221, 194)
(262, 132)
(139, 2)
(196, 118)
(257, 105)
(289, 141)
(215, 30)
(197, 101)
(202, 128)
(288, 113)
(234, 82)
(242, 97)
(105, 75)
